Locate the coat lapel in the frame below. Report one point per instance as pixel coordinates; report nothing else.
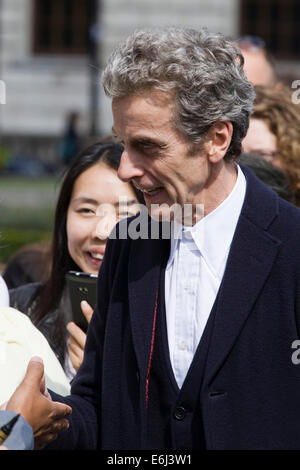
(252, 254)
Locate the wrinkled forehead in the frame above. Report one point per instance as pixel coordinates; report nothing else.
(149, 109)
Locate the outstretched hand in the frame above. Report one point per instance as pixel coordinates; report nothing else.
(33, 401)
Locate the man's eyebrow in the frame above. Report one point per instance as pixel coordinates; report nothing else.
(141, 139)
(144, 140)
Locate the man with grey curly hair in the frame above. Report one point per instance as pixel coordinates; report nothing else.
(178, 94)
(189, 345)
(202, 71)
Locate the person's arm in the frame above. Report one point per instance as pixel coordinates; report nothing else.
(32, 400)
(21, 435)
(84, 430)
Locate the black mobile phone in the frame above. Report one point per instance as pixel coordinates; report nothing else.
(81, 286)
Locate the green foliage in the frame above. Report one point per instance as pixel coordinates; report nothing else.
(21, 224)
(26, 218)
(5, 156)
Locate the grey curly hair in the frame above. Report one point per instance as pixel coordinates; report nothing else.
(203, 71)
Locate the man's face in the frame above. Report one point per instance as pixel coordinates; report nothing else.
(156, 156)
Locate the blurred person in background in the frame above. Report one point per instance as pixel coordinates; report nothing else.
(259, 64)
(29, 264)
(274, 133)
(70, 144)
(270, 175)
(90, 181)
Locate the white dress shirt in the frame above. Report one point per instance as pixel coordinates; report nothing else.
(194, 272)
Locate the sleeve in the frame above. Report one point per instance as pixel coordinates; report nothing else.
(84, 430)
(21, 436)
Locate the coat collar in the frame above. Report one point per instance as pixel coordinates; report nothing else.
(251, 257)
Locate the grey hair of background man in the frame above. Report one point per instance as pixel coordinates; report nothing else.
(203, 71)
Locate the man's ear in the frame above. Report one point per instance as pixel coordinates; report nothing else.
(218, 140)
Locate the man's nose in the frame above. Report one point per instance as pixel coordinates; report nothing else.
(129, 167)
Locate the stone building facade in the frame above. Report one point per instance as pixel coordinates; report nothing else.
(41, 89)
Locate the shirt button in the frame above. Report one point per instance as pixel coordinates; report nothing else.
(179, 413)
(187, 235)
(182, 345)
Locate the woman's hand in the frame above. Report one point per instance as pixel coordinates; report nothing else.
(77, 339)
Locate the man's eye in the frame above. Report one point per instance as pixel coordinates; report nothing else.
(147, 145)
(153, 148)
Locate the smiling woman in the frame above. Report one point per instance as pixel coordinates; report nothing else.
(92, 204)
(82, 227)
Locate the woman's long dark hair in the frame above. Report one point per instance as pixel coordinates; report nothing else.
(61, 262)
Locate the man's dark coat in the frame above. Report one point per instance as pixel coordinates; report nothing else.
(250, 397)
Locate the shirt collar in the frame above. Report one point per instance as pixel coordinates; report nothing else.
(213, 234)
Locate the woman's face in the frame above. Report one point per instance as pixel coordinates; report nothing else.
(261, 141)
(98, 201)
